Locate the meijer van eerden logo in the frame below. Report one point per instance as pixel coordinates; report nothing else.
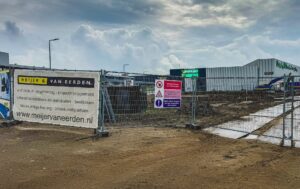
(57, 81)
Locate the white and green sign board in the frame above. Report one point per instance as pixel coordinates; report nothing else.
(190, 73)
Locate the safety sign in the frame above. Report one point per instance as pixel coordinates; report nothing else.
(167, 94)
(159, 94)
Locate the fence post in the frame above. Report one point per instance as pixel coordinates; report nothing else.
(284, 104)
(192, 123)
(101, 131)
(292, 111)
(11, 91)
(194, 101)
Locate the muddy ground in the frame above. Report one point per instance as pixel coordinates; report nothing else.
(34, 156)
(219, 112)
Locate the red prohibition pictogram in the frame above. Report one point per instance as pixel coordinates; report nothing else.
(159, 84)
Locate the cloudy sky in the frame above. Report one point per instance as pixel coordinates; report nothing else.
(151, 36)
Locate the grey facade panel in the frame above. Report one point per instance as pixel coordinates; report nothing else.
(4, 58)
(231, 78)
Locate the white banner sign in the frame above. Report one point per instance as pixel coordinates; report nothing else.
(57, 97)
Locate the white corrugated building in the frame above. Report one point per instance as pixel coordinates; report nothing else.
(247, 77)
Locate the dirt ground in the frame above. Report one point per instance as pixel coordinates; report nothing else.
(42, 156)
(220, 112)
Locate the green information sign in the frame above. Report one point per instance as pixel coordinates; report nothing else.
(190, 73)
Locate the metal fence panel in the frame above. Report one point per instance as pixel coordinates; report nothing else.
(132, 101)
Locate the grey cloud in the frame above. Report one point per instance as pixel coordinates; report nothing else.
(208, 1)
(276, 18)
(100, 11)
(260, 13)
(284, 23)
(11, 29)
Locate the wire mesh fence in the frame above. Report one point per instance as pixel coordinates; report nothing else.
(130, 101)
(205, 101)
(265, 108)
(273, 115)
(287, 128)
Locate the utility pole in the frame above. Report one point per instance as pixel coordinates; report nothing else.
(50, 50)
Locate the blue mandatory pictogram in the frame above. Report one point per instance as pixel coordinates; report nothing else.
(158, 103)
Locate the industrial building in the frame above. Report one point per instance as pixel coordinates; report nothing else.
(4, 58)
(4, 63)
(247, 77)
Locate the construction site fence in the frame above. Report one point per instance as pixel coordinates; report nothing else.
(131, 97)
(127, 99)
(263, 107)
